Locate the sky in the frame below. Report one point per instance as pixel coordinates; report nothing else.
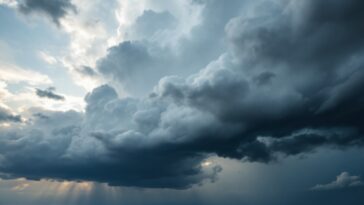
(185, 102)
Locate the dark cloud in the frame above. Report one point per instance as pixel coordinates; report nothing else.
(289, 83)
(303, 35)
(124, 156)
(300, 90)
(302, 141)
(54, 9)
(6, 116)
(49, 93)
(306, 91)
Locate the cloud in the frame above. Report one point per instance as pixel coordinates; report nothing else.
(343, 181)
(25, 98)
(49, 93)
(87, 71)
(97, 147)
(7, 116)
(273, 82)
(129, 63)
(13, 74)
(302, 87)
(151, 22)
(288, 81)
(302, 141)
(54, 9)
(10, 3)
(93, 25)
(158, 44)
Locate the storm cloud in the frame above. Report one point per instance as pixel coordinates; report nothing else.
(288, 82)
(159, 45)
(54, 9)
(101, 146)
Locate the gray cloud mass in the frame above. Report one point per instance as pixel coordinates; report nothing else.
(286, 80)
(6, 116)
(54, 9)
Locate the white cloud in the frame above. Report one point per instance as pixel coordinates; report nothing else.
(187, 13)
(26, 99)
(88, 30)
(10, 3)
(98, 26)
(344, 180)
(26, 80)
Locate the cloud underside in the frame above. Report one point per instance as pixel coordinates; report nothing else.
(54, 9)
(6, 116)
(289, 82)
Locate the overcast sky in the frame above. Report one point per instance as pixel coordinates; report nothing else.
(186, 102)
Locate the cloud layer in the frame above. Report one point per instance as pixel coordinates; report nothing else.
(286, 79)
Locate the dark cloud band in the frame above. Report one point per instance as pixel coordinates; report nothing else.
(49, 93)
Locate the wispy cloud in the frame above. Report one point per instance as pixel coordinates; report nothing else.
(47, 58)
(343, 181)
(11, 73)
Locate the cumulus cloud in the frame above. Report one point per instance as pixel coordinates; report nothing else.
(284, 72)
(99, 146)
(49, 93)
(288, 81)
(343, 181)
(54, 9)
(158, 45)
